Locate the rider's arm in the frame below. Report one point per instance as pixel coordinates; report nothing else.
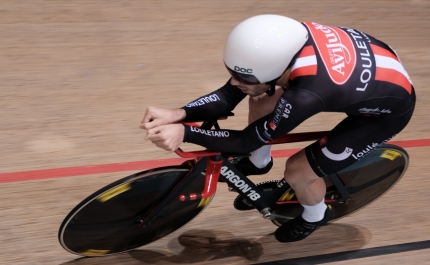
(293, 107)
(214, 105)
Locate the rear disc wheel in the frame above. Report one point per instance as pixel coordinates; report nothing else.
(366, 180)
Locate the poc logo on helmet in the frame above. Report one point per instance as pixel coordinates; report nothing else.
(243, 70)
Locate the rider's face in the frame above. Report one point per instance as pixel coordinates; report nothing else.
(251, 90)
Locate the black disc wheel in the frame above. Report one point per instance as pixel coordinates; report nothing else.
(107, 222)
(366, 180)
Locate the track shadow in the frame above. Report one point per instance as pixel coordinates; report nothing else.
(205, 245)
(194, 246)
(201, 246)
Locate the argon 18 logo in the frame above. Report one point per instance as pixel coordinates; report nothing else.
(336, 49)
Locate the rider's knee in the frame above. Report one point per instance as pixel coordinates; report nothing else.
(297, 170)
(292, 169)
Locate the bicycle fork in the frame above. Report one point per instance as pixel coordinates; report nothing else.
(219, 167)
(197, 168)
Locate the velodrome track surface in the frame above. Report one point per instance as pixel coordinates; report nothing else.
(76, 77)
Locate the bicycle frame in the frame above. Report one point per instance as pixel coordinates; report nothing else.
(217, 166)
(150, 204)
(216, 169)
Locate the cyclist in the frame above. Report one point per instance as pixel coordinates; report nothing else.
(292, 71)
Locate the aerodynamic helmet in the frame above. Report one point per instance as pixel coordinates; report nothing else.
(260, 48)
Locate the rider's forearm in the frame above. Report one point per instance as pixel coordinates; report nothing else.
(214, 105)
(293, 107)
(227, 141)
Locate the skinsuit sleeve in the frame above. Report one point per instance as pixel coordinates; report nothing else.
(214, 105)
(292, 108)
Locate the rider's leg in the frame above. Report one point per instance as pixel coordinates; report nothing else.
(309, 188)
(260, 162)
(259, 107)
(349, 140)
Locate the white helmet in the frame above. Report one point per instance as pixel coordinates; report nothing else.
(259, 49)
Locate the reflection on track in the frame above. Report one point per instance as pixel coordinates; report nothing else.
(198, 246)
(204, 246)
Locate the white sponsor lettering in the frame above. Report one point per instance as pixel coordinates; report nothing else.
(365, 151)
(338, 52)
(239, 183)
(337, 157)
(287, 111)
(210, 133)
(282, 110)
(369, 148)
(366, 62)
(375, 111)
(204, 100)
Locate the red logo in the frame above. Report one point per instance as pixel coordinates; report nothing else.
(272, 125)
(336, 49)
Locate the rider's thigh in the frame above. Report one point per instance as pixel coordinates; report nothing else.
(350, 140)
(297, 169)
(263, 105)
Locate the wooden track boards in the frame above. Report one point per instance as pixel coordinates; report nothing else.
(76, 77)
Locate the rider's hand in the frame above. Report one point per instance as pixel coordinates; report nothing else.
(168, 137)
(159, 116)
